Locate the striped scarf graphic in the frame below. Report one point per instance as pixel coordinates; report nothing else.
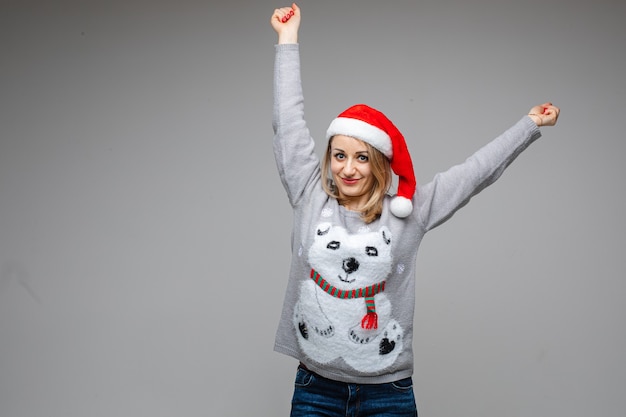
(370, 320)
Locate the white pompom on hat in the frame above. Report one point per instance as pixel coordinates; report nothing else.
(372, 126)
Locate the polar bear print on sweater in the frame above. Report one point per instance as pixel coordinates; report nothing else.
(343, 311)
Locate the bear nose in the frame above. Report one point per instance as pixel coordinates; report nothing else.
(350, 265)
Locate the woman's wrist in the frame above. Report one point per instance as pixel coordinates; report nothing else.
(287, 38)
(535, 118)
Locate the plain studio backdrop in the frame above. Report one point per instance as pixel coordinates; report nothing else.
(144, 232)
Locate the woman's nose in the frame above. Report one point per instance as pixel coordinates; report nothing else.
(349, 168)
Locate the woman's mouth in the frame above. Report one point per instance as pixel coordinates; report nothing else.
(349, 181)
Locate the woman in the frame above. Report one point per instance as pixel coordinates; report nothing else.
(348, 310)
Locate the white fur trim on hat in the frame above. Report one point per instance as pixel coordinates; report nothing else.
(363, 131)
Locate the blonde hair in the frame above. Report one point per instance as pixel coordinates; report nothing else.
(381, 172)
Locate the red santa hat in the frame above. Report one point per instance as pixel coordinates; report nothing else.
(370, 125)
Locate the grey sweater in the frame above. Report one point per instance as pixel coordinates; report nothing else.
(349, 303)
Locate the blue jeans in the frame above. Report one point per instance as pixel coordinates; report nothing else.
(315, 395)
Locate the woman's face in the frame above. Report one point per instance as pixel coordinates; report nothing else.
(351, 170)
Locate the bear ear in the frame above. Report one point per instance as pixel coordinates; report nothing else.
(386, 234)
(323, 229)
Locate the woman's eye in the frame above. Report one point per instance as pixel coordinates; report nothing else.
(363, 158)
(339, 156)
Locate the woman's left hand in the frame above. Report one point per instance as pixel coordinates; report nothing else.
(545, 114)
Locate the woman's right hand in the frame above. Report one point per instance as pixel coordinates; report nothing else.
(286, 22)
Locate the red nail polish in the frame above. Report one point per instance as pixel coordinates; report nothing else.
(284, 19)
(291, 13)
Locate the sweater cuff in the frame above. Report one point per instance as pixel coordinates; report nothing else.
(531, 127)
(532, 122)
(287, 47)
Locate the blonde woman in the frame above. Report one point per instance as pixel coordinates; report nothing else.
(348, 309)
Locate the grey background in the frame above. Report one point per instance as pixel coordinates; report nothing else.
(144, 233)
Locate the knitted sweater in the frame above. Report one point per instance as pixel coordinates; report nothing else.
(349, 303)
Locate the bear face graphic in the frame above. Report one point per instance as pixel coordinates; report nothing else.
(349, 261)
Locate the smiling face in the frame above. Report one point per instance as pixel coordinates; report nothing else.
(351, 171)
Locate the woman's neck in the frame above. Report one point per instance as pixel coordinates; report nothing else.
(356, 205)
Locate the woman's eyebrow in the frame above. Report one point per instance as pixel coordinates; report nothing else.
(357, 152)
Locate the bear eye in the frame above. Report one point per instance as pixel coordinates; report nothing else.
(334, 245)
(371, 251)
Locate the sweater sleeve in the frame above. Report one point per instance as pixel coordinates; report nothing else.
(438, 200)
(294, 149)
